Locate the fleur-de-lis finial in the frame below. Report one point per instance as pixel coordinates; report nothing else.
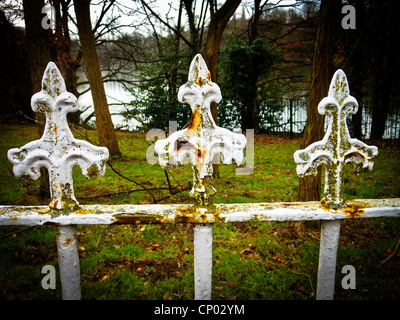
(336, 148)
(202, 140)
(57, 149)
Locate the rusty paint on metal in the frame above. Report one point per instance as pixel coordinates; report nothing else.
(202, 140)
(195, 119)
(68, 241)
(354, 210)
(188, 213)
(57, 149)
(336, 149)
(68, 259)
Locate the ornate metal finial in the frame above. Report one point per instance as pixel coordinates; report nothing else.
(202, 140)
(57, 149)
(336, 148)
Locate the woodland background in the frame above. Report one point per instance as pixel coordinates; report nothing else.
(261, 53)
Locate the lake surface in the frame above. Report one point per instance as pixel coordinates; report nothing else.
(117, 96)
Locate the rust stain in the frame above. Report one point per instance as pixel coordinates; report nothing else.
(14, 218)
(202, 152)
(357, 153)
(142, 219)
(217, 215)
(184, 219)
(185, 145)
(68, 241)
(200, 81)
(326, 208)
(208, 75)
(186, 210)
(195, 119)
(182, 145)
(81, 211)
(353, 211)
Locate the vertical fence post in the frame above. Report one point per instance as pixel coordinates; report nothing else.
(330, 231)
(59, 152)
(334, 151)
(68, 260)
(201, 142)
(203, 238)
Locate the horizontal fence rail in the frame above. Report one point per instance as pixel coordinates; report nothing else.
(187, 213)
(199, 143)
(203, 220)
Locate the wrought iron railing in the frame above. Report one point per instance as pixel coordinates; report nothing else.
(199, 144)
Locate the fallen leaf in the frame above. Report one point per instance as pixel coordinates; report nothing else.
(167, 296)
(247, 250)
(278, 258)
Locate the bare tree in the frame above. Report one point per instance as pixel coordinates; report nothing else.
(39, 56)
(218, 22)
(322, 70)
(105, 126)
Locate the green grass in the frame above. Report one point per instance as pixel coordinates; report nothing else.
(250, 261)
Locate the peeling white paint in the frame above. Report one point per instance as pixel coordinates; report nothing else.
(57, 149)
(203, 239)
(184, 213)
(68, 260)
(202, 140)
(330, 232)
(336, 149)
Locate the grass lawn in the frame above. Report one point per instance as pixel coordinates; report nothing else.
(250, 260)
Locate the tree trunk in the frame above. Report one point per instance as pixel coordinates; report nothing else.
(173, 75)
(386, 64)
(357, 61)
(322, 70)
(219, 20)
(254, 20)
(39, 56)
(103, 117)
(65, 62)
(382, 89)
(194, 32)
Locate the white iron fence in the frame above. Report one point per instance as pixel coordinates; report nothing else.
(198, 144)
